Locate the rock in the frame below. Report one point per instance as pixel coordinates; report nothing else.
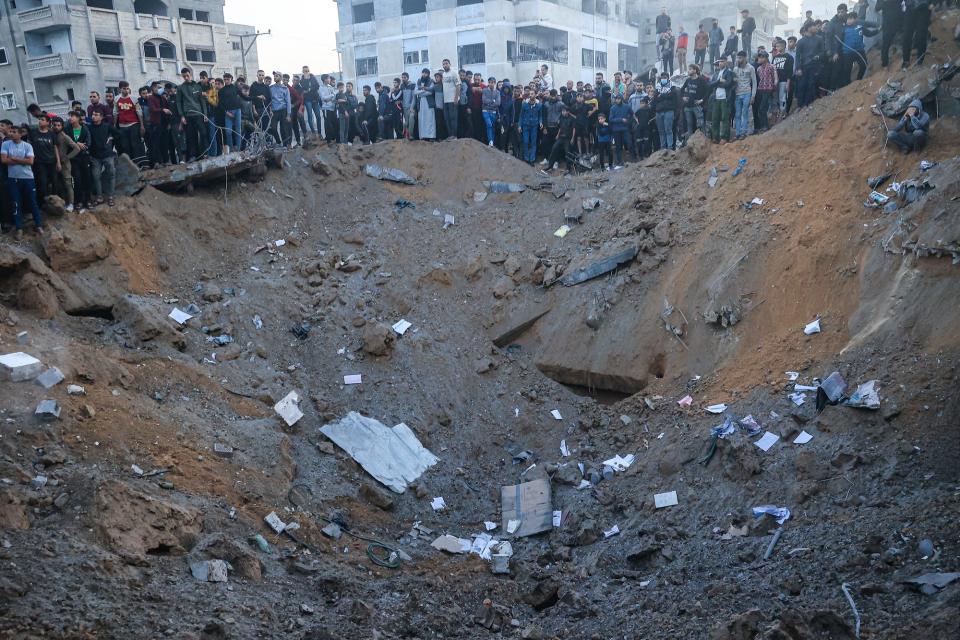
(241, 557)
(587, 533)
(697, 147)
(661, 233)
(13, 513)
(744, 626)
(502, 287)
(127, 177)
(532, 633)
(479, 196)
(355, 238)
(61, 501)
(54, 206)
(568, 474)
(473, 267)
(146, 321)
(543, 596)
(376, 496)
(321, 167)
(378, 339)
(72, 249)
(37, 294)
(485, 364)
(890, 411)
(50, 378)
(212, 293)
(19, 366)
(135, 524)
(511, 266)
(360, 611)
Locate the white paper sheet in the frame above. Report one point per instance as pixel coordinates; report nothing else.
(556, 414)
(667, 499)
(812, 328)
(179, 316)
(563, 449)
(803, 438)
(792, 375)
(767, 441)
(717, 408)
(438, 504)
(356, 378)
(401, 327)
(557, 518)
(489, 526)
(798, 398)
(612, 531)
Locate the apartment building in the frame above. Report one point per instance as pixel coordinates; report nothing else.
(55, 51)
(379, 39)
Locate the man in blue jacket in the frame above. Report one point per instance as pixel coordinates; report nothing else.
(910, 134)
(530, 124)
(620, 116)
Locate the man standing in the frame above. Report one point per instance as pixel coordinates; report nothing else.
(545, 78)
(463, 105)
(722, 86)
(663, 25)
(281, 108)
(328, 106)
(700, 42)
(103, 159)
(693, 94)
(783, 63)
(746, 92)
(260, 98)
(18, 157)
(530, 123)
(96, 105)
(408, 90)
(157, 128)
(916, 26)
(730, 48)
(44, 143)
(192, 108)
(809, 60)
(310, 89)
(131, 126)
(682, 41)
(620, 117)
(747, 26)
(490, 105)
(665, 105)
(666, 52)
(891, 22)
(766, 84)
(231, 102)
(833, 41)
(716, 41)
(451, 98)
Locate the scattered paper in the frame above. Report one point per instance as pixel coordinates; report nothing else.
(401, 327)
(803, 438)
(356, 378)
(490, 526)
(557, 518)
(179, 316)
(717, 408)
(751, 425)
(275, 522)
(612, 531)
(530, 503)
(556, 414)
(137, 471)
(448, 220)
(685, 401)
(865, 397)
(798, 398)
(757, 201)
(438, 504)
(792, 375)
(667, 499)
(289, 408)
(767, 441)
(563, 449)
(804, 387)
(813, 327)
(780, 513)
(279, 243)
(562, 231)
(512, 526)
(620, 463)
(584, 484)
(452, 544)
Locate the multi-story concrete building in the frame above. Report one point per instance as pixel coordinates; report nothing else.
(379, 39)
(55, 51)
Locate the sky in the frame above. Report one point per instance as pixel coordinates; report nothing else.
(303, 31)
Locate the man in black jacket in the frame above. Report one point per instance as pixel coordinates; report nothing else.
(833, 41)
(808, 63)
(891, 22)
(260, 96)
(310, 88)
(916, 26)
(693, 94)
(368, 117)
(747, 26)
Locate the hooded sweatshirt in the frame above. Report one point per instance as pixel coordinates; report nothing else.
(920, 121)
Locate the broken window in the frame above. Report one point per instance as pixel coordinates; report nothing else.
(100, 4)
(201, 55)
(150, 7)
(158, 48)
(109, 47)
(538, 43)
(367, 66)
(471, 54)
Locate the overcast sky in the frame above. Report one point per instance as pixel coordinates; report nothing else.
(303, 31)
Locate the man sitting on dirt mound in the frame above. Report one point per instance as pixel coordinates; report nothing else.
(910, 134)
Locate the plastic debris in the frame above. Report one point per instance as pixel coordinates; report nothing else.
(448, 220)
(620, 463)
(792, 375)
(781, 514)
(865, 397)
(926, 165)
(879, 198)
(812, 328)
(668, 499)
(723, 430)
(220, 340)
(386, 173)
(506, 187)
(258, 322)
(930, 583)
(355, 378)
(564, 451)
(260, 542)
(76, 390)
(717, 408)
(685, 401)
(600, 267)
(752, 427)
(798, 398)
(830, 390)
(562, 231)
(301, 331)
(490, 526)
(612, 531)
(557, 518)
(739, 168)
(289, 408)
(275, 522)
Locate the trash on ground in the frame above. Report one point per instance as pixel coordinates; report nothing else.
(875, 182)
(668, 499)
(556, 414)
(479, 196)
(393, 456)
(258, 322)
(562, 231)
(739, 168)
(275, 522)
(812, 328)
(751, 425)
(879, 198)
(221, 340)
(803, 438)
(210, 570)
(20, 366)
(717, 408)
(926, 165)
(50, 378)
(452, 544)
(865, 397)
(721, 431)
(830, 390)
(600, 267)
(620, 463)
(612, 531)
(756, 201)
(76, 390)
(530, 503)
(401, 326)
(402, 204)
(781, 514)
(767, 441)
(301, 330)
(589, 204)
(48, 410)
(289, 408)
(490, 526)
(260, 542)
(386, 173)
(223, 450)
(930, 583)
(179, 316)
(354, 378)
(564, 451)
(557, 518)
(137, 471)
(496, 186)
(797, 398)
(792, 375)
(448, 220)
(518, 453)
(438, 504)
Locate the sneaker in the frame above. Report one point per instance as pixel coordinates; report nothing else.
(349, 144)
(70, 208)
(544, 162)
(556, 165)
(618, 168)
(489, 144)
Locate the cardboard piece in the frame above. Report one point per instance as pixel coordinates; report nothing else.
(667, 499)
(289, 408)
(531, 504)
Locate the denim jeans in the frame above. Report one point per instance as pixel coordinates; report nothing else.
(214, 147)
(530, 143)
(807, 85)
(450, 118)
(104, 175)
(741, 118)
(693, 116)
(489, 119)
(314, 117)
(20, 189)
(665, 128)
(344, 122)
(232, 127)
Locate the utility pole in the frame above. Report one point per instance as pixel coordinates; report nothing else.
(245, 49)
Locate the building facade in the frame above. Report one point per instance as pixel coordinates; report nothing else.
(379, 39)
(54, 51)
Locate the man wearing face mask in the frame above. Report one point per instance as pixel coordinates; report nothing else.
(665, 105)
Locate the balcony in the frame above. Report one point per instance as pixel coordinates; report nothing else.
(46, 18)
(58, 65)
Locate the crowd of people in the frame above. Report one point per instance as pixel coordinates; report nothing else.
(741, 90)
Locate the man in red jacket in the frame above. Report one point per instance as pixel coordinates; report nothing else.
(682, 41)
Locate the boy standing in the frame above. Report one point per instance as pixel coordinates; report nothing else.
(103, 159)
(17, 155)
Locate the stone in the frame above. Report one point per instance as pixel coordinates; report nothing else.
(511, 266)
(212, 293)
(543, 596)
(76, 390)
(473, 267)
(222, 450)
(61, 500)
(485, 364)
(74, 248)
(50, 378)
(661, 233)
(146, 321)
(48, 410)
(568, 474)
(240, 557)
(587, 533)
(20, 366)
(376, 496)
(210, 570)
(378, 339)
(321, 167)
(332, 530)
(54, 206)
(502, 287)
(36, 293)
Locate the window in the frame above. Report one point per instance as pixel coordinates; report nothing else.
(367, 67)
(158, 48)
(410, 7)
(109, 48)
(463, 3)
(235, 46)
(469, 54)
(8, 101)
(601, 59)
(100, 4)
(511, 51)
(3, 56)
(586, 57)
(363, 12)
(416, 57)
(71, 96)
(201, 55)
(588, 6)
(197, 15)
(186, 14)
(538, 43)
(602, 9)
(628, 57)
(150, 7)
(203, 16)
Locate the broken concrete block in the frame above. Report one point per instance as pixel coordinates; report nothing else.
(332, 530)
(288, 408)
(50, 378)
(48, 410)
(223, 450)
(210, 570)
(20, 366)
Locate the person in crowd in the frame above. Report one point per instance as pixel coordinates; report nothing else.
(18, 157)
(231, 102)
(310, 89)
(451, 98)
(620, 118)
(683, 40)
(192, 108)
(721, 89)
(833, 41)
(531, 121)
(260, 97)
(298, 124)
(911, 132)
(346, 109)
(562, 149)
(808, 63)
(328, 106)
(666, 103)
(783, 63)
(766, 85)
(281, 109)
(701, 40)
(854, 50)
(603, 138)
(67, 150)
(891, 23)
(464, 112)
(426, 107)
(396, 115)
(44, 165)
(103, 159)
(545, 78)
(130, 125)
(747, 26)
(746, 92)
(490, 106)
(716, 41)
(368, 117)
(80, 163)
(552, 112)
(408, 89)
(731, 45)
(97, 105)
(693, 94)
(667, 44)
(642, 114)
